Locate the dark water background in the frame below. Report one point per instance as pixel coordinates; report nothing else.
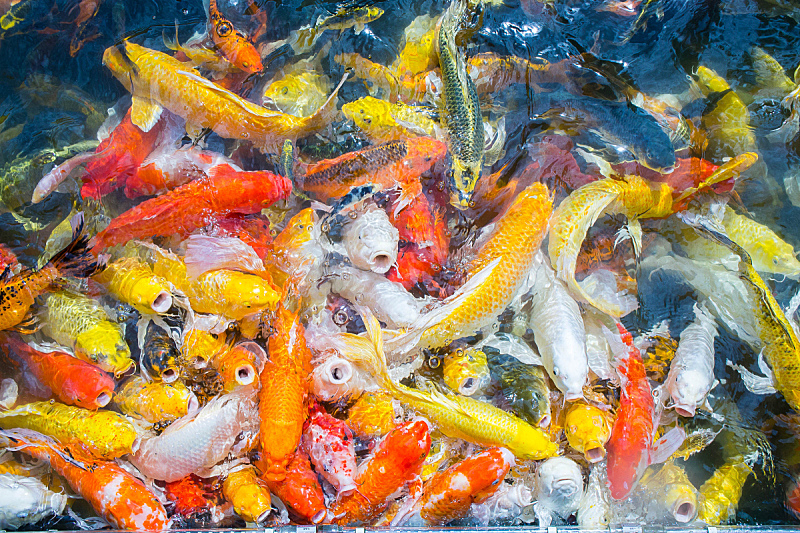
(658, 59)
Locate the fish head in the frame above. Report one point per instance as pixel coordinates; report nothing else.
(369, 114)
(681, 500)
(658, 156)
(410, 443)
(776, 257)
(486, 474)
(462, 184)
(104, 346)
(371, 241)
(240, 366)
(249, 293)
(587, 429)
(688, 389)
(115, 58)
(286, 92)
(466, 371)
(570, 379)
(560, 482)
(298, 232)
(233, 44)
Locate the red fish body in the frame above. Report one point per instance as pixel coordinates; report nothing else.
(329, 443)
(196, 204)
(300, 489)
(73, 381)
(632, 434)
(119, 157)
(396, 460)
(167, 169)
(251, 229)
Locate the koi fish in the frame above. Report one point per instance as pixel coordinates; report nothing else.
(396, 459)
(18, 291)
(382, 121)
(102, 434)
(396, 163)
(155, 401)
(448, 495)
(198, 441)
(300, 92)
(303, 39)
(720, 494)
(230, 42)
(134, 283)
(80, 323)
(632, 196)
(462, 115)
(73, 381)
(672, 492)
(466, 371)
(594, 510)
(283, 391)
(329, 444)
(300, 489)
(560, 489)
(501, 266)
(588, 428)
(630, 447)
(240, 366)
(159, 81)
(129, 506)
(248, 494)
(196, 204)
(194, 502)
(371, 241)
(456, 416)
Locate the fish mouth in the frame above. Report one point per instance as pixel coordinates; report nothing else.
(170, 375)
(565, 486)
(245, 374)
(102, 399)
(594, 452)
(381, 261)
(544, 421)
(162, 302)
(469, 386)
(339, 373)
(686, 410)
(684, 510)
(192, 405)
(319, 517)
(573, 396)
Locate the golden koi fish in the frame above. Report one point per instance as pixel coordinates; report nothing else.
(159, 81)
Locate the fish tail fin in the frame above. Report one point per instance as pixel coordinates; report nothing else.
(37, 445)
(327, 111)
(76, 259)
(175, 45)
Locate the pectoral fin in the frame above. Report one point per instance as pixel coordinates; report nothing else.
(667, 445)
(755, 383)
(145, 113)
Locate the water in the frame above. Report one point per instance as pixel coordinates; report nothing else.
(55, 92)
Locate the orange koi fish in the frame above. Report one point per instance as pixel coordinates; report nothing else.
(159, 81)
(18, 292)
(300, 489)
(239, 366)
(283, 391)
(196, 204)
(73, 381)
(630, 448)
(118, 158)
(113, 493)
(396, 163)
(231, 43)
(448, 495)
(195, 502)
(397, 459)
(168, 168)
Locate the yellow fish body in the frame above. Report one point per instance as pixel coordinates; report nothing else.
(383, 121)
(299, 93)
(419, 48)
(727, 125)
(373, 415)
(104, 434)
(221, 292)
(588, 428)
(158, 81)
(80, 323)
(720, 494)
(155, 401)
(456, 416)
(134, 283)
(199, 347)
(248, 494)
(380, 77)
(767, 250)
(499, 269)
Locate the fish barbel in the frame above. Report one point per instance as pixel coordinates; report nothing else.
(160, 81)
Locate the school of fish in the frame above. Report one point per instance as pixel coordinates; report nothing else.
(279, 282)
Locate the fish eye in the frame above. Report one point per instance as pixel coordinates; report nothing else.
(434, 361)
(285, 90)
(224, 29)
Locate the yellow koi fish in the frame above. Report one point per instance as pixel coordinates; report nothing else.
(248, 494)
(134, 283)
(382, 121)
(104, 434)
(588, 428)
(159, 81)
(155, 401)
